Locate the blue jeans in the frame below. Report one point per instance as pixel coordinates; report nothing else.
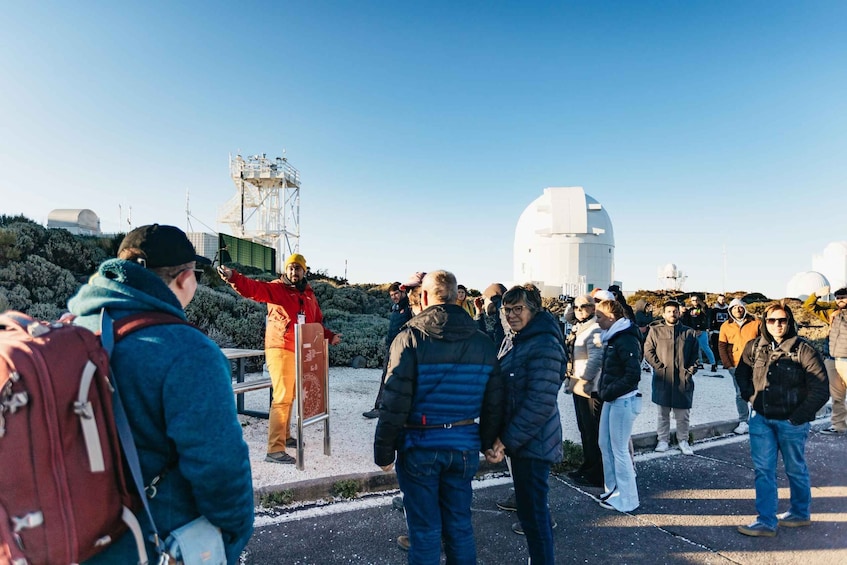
(437, 495)
(740, 403)
(530, 478)
(767, 438)
(703, 340)
(615, 429)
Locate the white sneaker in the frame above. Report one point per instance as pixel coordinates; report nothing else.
(741, 429)
(685, 448)
(661, 447)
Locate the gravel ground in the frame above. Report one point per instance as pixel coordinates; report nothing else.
(352, 391)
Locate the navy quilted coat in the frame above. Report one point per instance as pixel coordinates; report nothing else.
(533, 364)
(441, 370)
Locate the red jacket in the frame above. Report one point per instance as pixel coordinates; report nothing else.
(284, 302)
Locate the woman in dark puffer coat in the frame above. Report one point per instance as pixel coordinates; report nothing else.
(533, 363)
(618, 388)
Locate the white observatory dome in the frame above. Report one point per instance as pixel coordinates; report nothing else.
(669, 271)
(803, 284)
(564, 243)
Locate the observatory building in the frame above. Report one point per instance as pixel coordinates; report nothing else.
(564, 243)
(803, 284)
(79, 222)
(832, 263)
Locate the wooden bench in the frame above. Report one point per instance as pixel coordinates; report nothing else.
(241, 388)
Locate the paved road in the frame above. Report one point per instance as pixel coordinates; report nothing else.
(690, 507)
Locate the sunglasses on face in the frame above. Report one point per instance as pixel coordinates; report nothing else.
(516, 310)
(773, 321)
(585, 307)
(198, 273)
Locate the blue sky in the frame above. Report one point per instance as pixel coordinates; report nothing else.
(423, 129)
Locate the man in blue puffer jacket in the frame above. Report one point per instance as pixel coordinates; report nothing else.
(175, 385)
(442, 375)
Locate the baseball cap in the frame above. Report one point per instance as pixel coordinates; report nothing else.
(163, 246)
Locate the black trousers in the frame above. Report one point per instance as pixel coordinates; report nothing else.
(588, 421)
(381, 382)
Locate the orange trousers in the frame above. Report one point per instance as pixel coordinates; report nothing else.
(281, 367)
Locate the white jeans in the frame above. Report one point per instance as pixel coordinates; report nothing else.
(615, 430)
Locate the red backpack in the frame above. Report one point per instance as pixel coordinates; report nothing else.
(64, 495)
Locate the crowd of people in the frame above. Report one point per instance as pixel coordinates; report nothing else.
(461, 378)
(780, 383)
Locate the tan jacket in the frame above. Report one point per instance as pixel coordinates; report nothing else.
(733, 338)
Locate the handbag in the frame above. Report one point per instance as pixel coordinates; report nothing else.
(198, 542)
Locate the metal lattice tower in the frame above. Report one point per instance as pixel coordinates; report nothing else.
(266, 205)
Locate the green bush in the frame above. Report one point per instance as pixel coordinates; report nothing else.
(363, 335)
(36, 280)
(571, 458)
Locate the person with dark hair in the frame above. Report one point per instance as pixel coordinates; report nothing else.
(465, 302)
(443, 375)
(488, 314)
(834, 314)
(671, 350)
(628, 311)
(173, 381)
(697, 317)
(290, 301)
(618, 389)
(784, 379)
(718, 314)
(401, 313)
(533, 360)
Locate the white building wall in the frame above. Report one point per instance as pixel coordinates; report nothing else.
(832, 263)
(564, 238)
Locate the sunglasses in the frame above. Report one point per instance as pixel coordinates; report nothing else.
(584, 306)
(841, 296)
(198, 273)
(780, 321)
(516, 310)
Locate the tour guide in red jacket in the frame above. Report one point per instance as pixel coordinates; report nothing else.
(290, 301)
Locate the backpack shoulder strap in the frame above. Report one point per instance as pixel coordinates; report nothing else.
(141, 320)
(112, 331)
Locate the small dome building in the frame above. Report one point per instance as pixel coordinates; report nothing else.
(803, 284)
(79, 222)
(564, 243)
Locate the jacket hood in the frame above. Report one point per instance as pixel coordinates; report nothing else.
(445, 321)
(624, 329)
(737, 302)
(120, 285)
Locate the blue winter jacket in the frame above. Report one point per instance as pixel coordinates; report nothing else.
(176, 387)
(533, 362)
(441, 370)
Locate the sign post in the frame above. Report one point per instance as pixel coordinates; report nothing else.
(312, 362)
